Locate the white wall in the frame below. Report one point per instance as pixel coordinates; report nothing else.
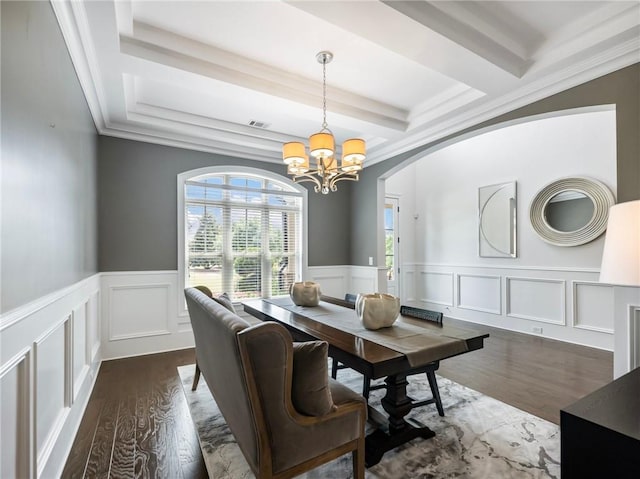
(49, 359)
(546, 286)
(533, 154)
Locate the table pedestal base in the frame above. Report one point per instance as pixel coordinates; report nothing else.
(379, 441)
(397, 405)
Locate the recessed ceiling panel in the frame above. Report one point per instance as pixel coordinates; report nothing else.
(405, 73)
(294, 38)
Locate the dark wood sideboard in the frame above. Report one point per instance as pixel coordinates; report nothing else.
(600, 433)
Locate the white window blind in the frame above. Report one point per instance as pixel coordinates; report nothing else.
(242, 235)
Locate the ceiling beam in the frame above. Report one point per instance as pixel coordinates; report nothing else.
(392, 27)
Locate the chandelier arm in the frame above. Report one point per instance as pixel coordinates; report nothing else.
(307, 177)
(345, 175)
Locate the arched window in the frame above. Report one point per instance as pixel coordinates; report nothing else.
(240, 231)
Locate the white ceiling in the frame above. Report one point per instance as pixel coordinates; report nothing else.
(194, 74)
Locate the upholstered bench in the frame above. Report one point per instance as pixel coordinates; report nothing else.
(276, 396)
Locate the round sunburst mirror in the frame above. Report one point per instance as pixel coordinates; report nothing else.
(571, 211)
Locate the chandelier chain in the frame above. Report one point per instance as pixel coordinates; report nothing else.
(324, 94)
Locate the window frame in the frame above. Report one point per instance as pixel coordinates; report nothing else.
(185, 176)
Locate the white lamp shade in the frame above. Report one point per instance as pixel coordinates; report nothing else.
(321, 145)
(293, 153)
(354, 150)
(353, 154)
(621, 255)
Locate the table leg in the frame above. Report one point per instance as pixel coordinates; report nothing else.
(397, 405)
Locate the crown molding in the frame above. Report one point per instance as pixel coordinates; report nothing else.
(187, 142)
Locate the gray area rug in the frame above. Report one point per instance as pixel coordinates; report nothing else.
(479, 437)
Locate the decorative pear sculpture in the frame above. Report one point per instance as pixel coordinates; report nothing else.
(305, 293)
(377, 310)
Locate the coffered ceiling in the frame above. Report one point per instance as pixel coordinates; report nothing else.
(241, 77)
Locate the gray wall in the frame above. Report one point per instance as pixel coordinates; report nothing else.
(137, 206)
(621, 88)
(48, 183)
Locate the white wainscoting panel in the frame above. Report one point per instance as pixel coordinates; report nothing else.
(362, 284)
(81, 353)
(93, 325)
(15, 416)
(138, 311)
(51, 354)
(593, 306)
(333, 280)
(437, 287)
(408, 283)
(634, 337)
(479, 293)
(47, 377)
(518, 298)
(536, 299)
(365, 279)
(342, 279)
(140, 314)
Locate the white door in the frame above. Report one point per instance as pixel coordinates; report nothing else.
(392, 244)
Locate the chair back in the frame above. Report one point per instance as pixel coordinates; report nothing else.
(351, 298)
(419, 313)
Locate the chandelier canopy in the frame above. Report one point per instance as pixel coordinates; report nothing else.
(324, 171)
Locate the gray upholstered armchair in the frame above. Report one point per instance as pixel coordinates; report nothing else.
(286, 414)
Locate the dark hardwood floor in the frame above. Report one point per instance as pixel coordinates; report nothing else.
(137, 423)
(537, 375)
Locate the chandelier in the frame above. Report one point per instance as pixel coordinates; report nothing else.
(324, 171)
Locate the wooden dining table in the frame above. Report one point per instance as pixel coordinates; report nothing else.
(374, 354)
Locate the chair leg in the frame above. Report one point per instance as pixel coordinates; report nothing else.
(334, 368)
(431, 376)
(366, 387)
(358, 460)
(196, 378)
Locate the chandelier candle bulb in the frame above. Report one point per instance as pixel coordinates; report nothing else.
(298, 168)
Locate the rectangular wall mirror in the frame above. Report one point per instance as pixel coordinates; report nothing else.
(497, 221)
